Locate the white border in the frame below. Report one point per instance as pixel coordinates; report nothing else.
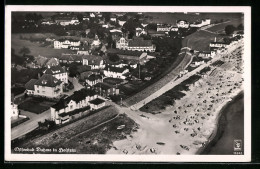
(133, 158)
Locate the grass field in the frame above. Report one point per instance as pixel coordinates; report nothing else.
(220, 27)
(35, 48)
(199, 40)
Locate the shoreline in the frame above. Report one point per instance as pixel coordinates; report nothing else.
(218, 131)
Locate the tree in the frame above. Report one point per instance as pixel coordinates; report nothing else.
(229, 29)
(130, 26)
(24, 51)
(106, 15)
(80, 17)
(113, 57)
(240, 27)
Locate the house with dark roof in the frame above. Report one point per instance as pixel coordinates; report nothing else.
(97, 104)
(46, 86)
(182, 24)
(72, 106)
(57, 72)
(95, 62)
(105, 90)
(52, 62)
(115, 72)
(29, 86)
(94, 79)
(70, 58)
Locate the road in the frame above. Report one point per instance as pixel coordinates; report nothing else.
(77, 85)
(29, 125)
(153, 88)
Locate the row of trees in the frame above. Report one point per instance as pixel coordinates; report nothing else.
(229, 29)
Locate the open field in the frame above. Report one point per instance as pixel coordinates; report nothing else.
(199, 40)
(220, 27)
(35, 48)
(171, 18)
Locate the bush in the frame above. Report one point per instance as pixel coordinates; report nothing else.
(229, 29)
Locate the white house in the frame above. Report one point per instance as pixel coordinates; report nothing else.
(97, 104)
(57, 72)
(73, 106)
(94, 79)
(46, 86)
(135, 44)
(66, 43)
(140, 31)
(182, 24)
(163, 28)
(15, 111)
(115, 72)
(205, 54)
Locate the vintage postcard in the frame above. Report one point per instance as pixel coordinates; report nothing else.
(128, 83)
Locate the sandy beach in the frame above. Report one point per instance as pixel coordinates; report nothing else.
(188, 126)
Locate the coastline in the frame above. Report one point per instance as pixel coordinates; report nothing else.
(219, 129)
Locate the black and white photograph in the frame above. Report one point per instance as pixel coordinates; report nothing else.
(114, 83)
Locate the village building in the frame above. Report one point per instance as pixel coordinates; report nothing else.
(201, 23)
(14, 111)
(66, 43)
(95, 62)
(82, 52)
(174, 29)
(97, 104)
(182, 24)
(121, 22)
(217, 44)
(40, 60)
(73, 106)
(163, 27)
(57, 72)
(105, 90)
(205, 54)
(71, 58)
(52, 62)
(94, 79)
(140, 31)
(45, 86)
(17, 94)
(135, 44)
(66, 20)
(115, 72)
(113, 18)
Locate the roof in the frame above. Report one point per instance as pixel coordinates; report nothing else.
(77, 96)
(103, 86)
(54, 70)
(93, 59)
(30, 85)
(71, 40)
(115, 69)
(83, 68)
(71, 57)
(52, 61)
(139, 42)
(40, 60)
(96, 101)
(48, 80)
(94, 77)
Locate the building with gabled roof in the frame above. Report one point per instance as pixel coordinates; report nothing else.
(95, 62)
(93, 79)
(135, 44)
(115, 72)
(46, 86)
(57, 72)
(97, 103)
(66, 43)
(72, 106)
(105, 90)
